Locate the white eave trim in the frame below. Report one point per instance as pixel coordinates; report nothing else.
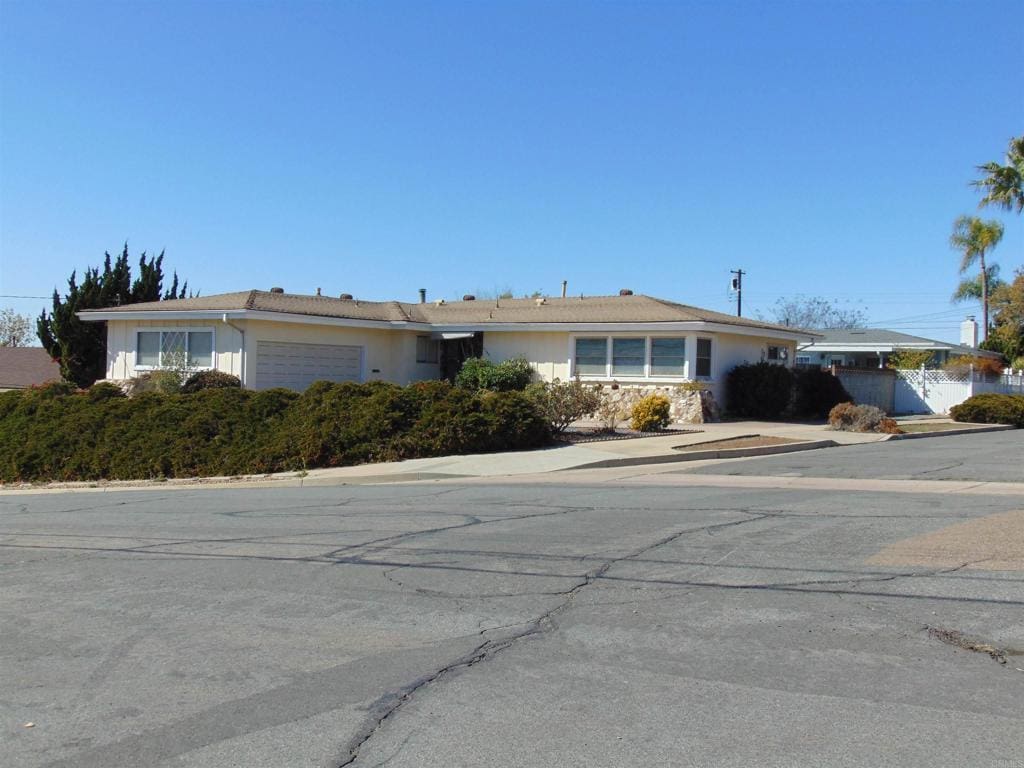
(697, 326)
(247, 314)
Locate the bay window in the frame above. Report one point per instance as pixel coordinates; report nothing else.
(636, 357)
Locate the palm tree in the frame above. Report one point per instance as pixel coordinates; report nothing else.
(1004, 184)
(974, 238)
(969, 288)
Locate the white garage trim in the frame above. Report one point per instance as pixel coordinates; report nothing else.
(296, 365)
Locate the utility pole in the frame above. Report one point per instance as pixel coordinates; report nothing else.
(737, 286)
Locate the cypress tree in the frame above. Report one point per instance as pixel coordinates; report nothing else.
(80, 347)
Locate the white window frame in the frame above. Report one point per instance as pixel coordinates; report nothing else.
(686, 357)
(646, 377)
(173, 329)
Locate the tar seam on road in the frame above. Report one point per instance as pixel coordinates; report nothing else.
(389, 704)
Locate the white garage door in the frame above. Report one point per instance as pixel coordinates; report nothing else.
(296, 366)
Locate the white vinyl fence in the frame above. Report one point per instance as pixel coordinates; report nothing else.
(925, 391)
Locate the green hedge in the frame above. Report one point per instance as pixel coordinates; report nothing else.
(768, 391)
(758, 390)
(48, 434)
(990, 408)
(479, 373)
(815, 393)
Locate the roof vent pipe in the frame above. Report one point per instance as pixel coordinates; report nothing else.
(346, 296)
(275, 289)
(565, 287)
(625, 292)
(469, 297)
(423, 295)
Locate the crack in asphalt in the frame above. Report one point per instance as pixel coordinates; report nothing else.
(388, 705)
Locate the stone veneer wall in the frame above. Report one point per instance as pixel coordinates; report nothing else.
(687, 406)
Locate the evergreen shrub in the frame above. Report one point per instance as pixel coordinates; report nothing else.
(815, 393)
(758, 390)
(507, 376)
(990, 408)
(210, 380)
(46, 435)
(651, 413)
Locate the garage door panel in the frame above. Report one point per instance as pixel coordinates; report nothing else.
(296, 366)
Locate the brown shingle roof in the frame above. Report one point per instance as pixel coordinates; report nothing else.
(588, 309)
(22, 367)
(265, 301)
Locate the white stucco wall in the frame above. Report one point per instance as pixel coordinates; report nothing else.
(121, 343)
(390, 354)
(548, 352)
(730, 350)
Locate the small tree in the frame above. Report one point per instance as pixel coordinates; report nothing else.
(904, 359)
(15, 329)
(563, 402)
(1007, 334)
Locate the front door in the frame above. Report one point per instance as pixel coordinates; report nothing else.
(454, 352)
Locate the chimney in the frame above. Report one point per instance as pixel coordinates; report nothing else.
(565, 287)
(275, 289)
(969, 332)
(423, 295)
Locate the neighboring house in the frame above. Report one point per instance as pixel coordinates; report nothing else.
(23, 367)
(275, 339)
(871, 347)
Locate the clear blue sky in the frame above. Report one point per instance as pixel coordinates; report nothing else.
(376, 148)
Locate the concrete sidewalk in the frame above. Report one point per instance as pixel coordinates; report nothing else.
(638, 450)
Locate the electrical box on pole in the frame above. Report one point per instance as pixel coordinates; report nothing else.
(736, 285)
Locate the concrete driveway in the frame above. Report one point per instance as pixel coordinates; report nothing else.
(611, 618)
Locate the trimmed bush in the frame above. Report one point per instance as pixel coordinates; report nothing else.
(848, 417)
(815, 393)
(758, 390)
(651, 413)
(507, 376)
(210, 380)
(230, 431)
(990, 408)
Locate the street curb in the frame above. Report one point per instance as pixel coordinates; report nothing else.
(724, 453)
(952, 432)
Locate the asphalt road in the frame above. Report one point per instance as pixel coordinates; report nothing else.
(597, 624)
(989, 456)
